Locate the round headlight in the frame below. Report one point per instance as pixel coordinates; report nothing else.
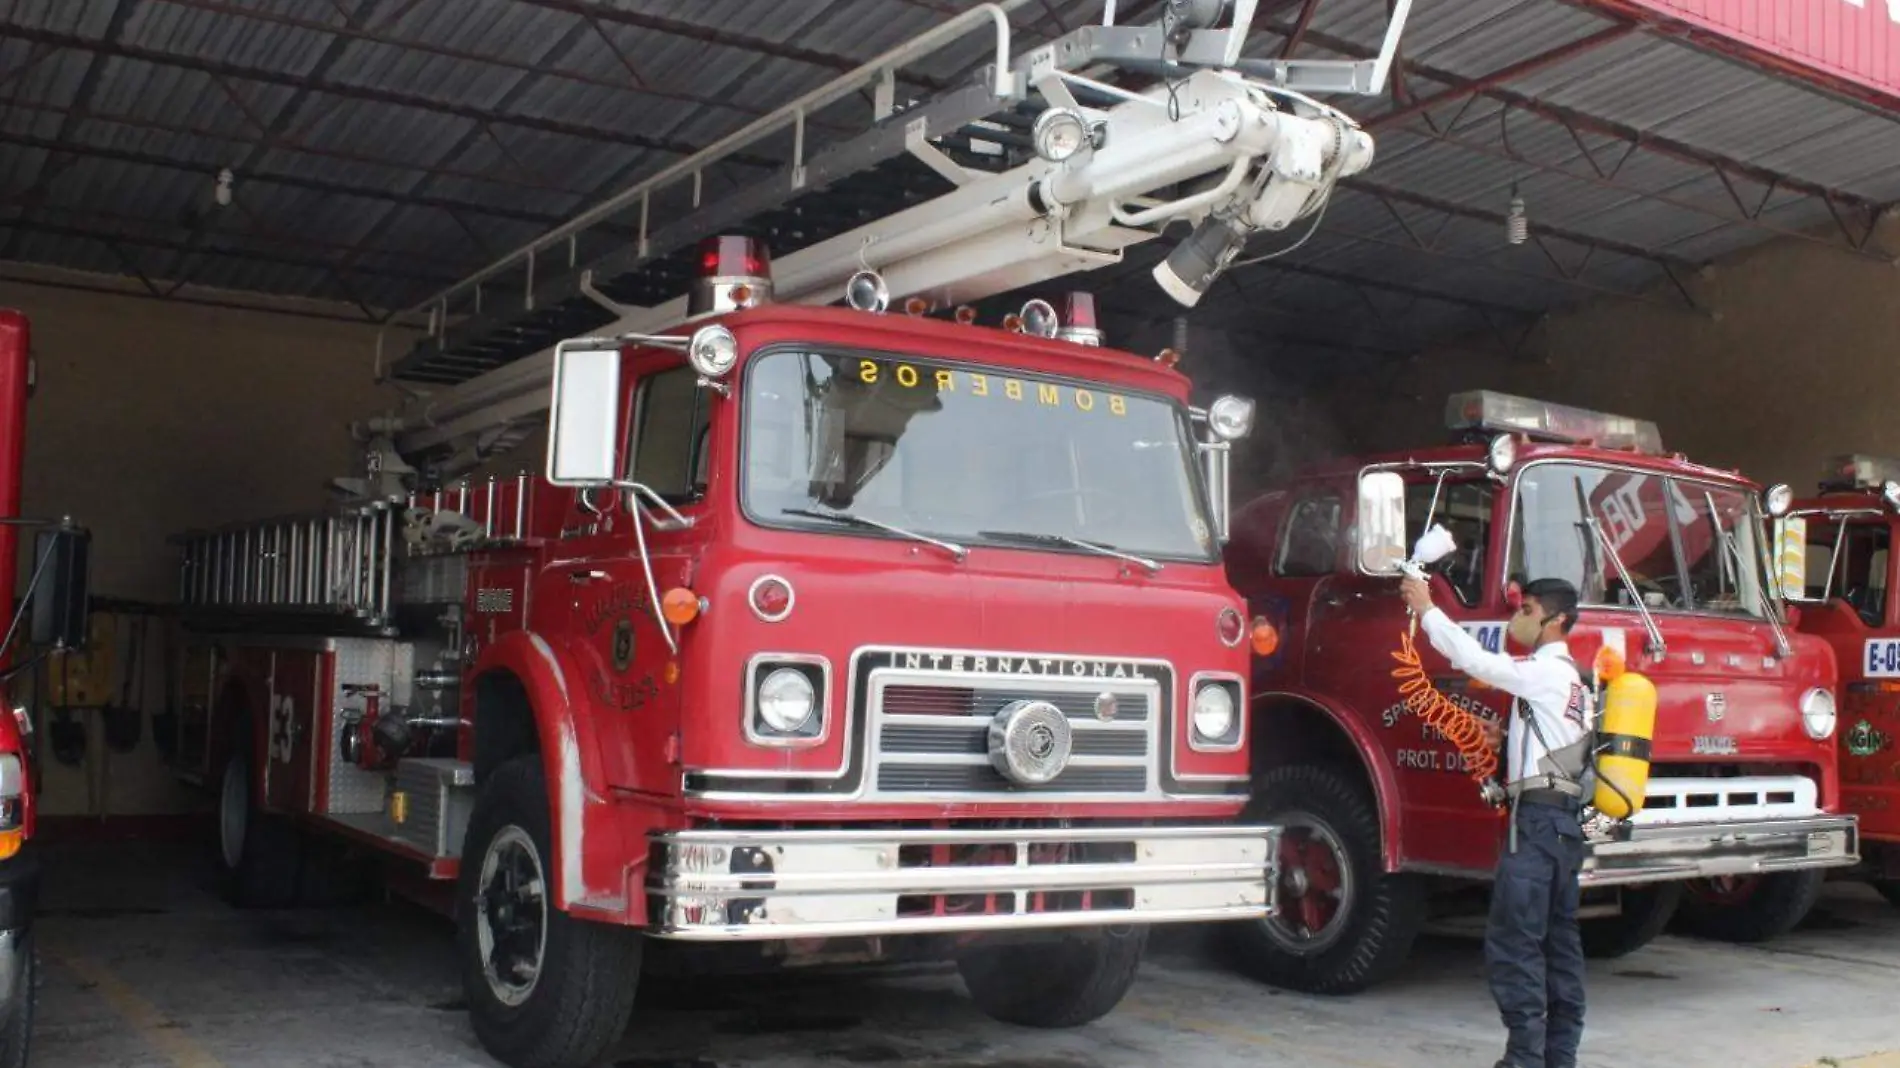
(1503, 453)
(1039, 318)
(1779, 498)
(713, 351)
(1817, 714)
(1214, 712)
(1230, 418)
(866, 291)
(787, 701)
(1059, 133)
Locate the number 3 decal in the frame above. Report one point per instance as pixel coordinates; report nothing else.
(283, 713)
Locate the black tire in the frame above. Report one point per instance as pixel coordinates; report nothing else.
(1075, 981)
(262, 854)
(1647, 910)
(1774, 906)
(16, 1034)
(1889, 889)
(1377, 915)
(581, 995)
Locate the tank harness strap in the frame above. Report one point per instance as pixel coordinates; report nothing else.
(1626, 745)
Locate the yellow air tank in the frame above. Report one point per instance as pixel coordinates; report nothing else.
(1625, 730)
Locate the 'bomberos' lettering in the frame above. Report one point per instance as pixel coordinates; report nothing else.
(997, 387)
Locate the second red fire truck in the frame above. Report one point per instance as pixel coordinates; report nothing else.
(1741, 816)
(1836, 560)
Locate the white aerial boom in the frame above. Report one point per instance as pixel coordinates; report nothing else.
(1228, 145)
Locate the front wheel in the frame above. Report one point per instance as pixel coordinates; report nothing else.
(1749, 908)
(1889, 889)
(545, 990)
(1646, 910)
(1343, 923)
(1054, 984)
(16, 1034)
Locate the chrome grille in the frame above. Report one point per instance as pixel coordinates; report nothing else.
(929, 733)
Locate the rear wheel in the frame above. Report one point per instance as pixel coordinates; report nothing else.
(1749, 908)
(261, 855)
(1343, 923)
(1646, 910)
(1054, 984)
(545, 990)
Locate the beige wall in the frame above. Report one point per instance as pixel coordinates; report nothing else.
(151, 417)
(1799, 366)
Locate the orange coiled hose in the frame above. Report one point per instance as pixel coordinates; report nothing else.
(1423, 700)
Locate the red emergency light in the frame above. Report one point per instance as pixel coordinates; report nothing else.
(1079, 324)
(733, 272)
(1502, 413)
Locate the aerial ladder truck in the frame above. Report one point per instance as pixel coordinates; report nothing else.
(822, 632)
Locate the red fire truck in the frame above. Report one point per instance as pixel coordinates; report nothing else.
(1835, 554)
(51, 616)
(830, 629)
(1376, 807)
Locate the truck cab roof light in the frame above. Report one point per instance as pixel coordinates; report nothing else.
(1486, 410)
(1863, 471)
(1079, 324)
(1039, 318)
(733, 273)
(866, 291)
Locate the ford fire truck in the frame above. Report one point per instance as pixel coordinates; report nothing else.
(824, 630)
(1836, 563)
(1672, 559)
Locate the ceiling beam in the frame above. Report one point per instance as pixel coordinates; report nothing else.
(1509, 73)
(347, 91)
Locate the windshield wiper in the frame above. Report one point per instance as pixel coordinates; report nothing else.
(1062, 539)
(1657, 647)
(851, 519)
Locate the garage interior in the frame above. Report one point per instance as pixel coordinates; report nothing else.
(228, 220)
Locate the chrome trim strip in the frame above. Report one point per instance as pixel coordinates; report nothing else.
(823, 664)
(844, 883)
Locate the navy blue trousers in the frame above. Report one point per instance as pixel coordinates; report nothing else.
(1533, 952)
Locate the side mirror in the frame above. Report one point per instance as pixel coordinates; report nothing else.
(1381, 522)
(584, 416)
(63, 595)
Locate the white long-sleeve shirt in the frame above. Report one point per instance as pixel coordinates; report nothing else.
(1546, 682)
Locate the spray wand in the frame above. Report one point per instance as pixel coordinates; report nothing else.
(1424, 700)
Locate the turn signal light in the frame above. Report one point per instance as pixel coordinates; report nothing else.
(680, 606)
(11, 842)
(1265, 638)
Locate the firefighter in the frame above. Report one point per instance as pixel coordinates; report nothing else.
(1532, 947)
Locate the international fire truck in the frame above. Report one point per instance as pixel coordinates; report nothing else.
(1379, 815)
(823, 631)
(51, 617)
(1836, 563)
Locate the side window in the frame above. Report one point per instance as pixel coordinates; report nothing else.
(669, 434)
(1310, 545)
(1464, 508)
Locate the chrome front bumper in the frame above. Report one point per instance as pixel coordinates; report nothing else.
(766, 885)
(1699, 850)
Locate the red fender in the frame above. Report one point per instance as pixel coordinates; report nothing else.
(596, 854)
(1385, 785)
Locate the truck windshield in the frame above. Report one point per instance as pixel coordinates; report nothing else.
(969, 455)
(1687, 545)
(1859, 575)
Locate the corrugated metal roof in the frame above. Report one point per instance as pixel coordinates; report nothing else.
(435, 134)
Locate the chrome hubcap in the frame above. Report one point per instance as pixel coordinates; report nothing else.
(511, 916)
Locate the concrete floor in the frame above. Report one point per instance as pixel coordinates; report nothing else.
(144, 968)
